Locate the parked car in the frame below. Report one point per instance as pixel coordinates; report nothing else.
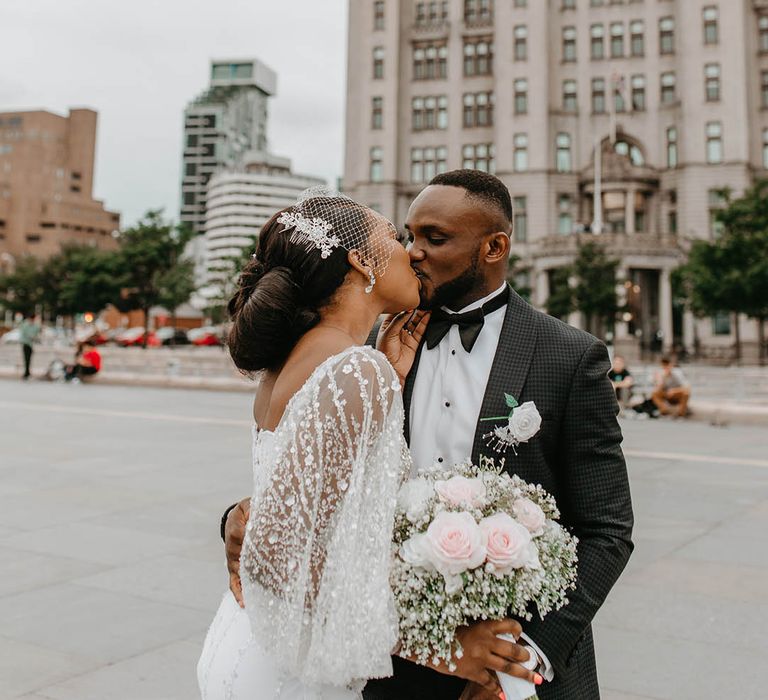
(172, 336)
(206, 335)
(134, 337)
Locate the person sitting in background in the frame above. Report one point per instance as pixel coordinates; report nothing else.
(671, 389)
(622, 380)
(87, 363)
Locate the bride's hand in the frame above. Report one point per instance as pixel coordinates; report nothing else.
(399, 338)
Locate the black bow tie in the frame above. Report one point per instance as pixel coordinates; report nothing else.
(470, 323)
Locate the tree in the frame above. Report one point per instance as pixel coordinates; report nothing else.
(148, 251)
(562, 300)
(22, 291)
(595, 292)
(227, 281)
(81, 278)
(176, 285)
(514, 275)
(745, 241)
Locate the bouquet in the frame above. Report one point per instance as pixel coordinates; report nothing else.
(474, 543)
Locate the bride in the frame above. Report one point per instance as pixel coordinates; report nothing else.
(328, 457)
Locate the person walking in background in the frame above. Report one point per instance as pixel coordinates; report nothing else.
(29, 330)
(87, 363)
(622, 381)
(671, 388)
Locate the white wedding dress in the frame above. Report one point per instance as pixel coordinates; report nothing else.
(319, 617)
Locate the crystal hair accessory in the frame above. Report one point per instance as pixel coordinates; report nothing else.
(324, 219)
(314, 232)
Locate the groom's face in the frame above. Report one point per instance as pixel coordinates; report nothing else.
(446, 229)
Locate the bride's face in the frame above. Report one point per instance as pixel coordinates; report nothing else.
(398, 288)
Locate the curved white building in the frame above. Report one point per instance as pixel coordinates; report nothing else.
(240, 201)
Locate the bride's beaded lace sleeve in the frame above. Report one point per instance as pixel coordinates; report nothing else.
(315, 562)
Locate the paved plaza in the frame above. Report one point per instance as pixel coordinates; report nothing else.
(111, 565)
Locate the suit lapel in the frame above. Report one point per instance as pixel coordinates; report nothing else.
(410, 380)
(511, 362)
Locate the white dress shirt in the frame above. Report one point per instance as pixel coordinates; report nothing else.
(447, 397)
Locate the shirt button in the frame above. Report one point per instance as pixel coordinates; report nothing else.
(447, 404)
(453, 352)
(440, 459)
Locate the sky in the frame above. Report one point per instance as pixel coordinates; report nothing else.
(139, 63)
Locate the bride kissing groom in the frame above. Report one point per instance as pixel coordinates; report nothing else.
(477, 343)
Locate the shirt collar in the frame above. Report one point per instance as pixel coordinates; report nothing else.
(477, 304)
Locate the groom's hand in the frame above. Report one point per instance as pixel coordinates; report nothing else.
(485, 653)
(234, 532)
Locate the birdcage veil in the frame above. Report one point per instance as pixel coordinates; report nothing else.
(325, 219)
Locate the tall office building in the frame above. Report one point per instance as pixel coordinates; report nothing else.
(240, 201)
(220, 125)
(46, 185)
(673, 93)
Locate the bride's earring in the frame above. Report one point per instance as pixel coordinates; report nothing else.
(371, 276)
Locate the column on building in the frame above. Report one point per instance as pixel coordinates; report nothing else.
(665, 309)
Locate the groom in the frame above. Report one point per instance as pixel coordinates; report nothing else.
(483, 341)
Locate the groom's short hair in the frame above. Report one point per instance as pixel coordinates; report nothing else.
(480, 185)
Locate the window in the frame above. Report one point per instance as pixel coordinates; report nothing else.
(191, 140)
(710, 25)
(762, 37)
(478, 109)
(564, 216)
(721, 324)
(672, 147)
(190, 169)
(377, 113)
(666, 35)
(597, 46)
(570, 99)
(430, 61)
(520, 219)
(637, 37)
(668, 83)
(764, 89)
(563, 153)
(377, 165)
(427, 162)
(765, 148)
(521, 3)
(638, 93)
(672, 213)
(32, 238)
(630, 151)
(618, 94)
(189, 199)
(717, 202)
(569, 4)
(595, 3)
(378, 63)
(521, 42)
(478, 57)
(479, 157)
(714, 132)
(712, 82)
(598, 95)
(617, 40)
(478, 11)
(521, 96)
(520, 152)
(569, 44)
(378, 14)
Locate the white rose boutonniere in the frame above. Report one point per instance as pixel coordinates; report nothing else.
(523, 422)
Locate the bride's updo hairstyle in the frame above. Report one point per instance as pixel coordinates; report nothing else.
(284, 286)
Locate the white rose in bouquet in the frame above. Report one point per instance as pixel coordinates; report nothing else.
(414, 497)
(508, 544)
(530, 515)
(525, 422)
(453, 543)
(461, 491)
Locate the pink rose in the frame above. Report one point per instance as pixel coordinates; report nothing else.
(508, 544)
(530, 515)
(461, 491)
(453, 543)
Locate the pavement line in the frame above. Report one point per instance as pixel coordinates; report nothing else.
(686, 457)
(56, 408)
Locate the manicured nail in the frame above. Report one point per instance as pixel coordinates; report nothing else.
(537, 679)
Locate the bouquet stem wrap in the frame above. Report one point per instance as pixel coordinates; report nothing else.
(516, 688)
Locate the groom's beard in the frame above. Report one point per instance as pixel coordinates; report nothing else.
(452, 292)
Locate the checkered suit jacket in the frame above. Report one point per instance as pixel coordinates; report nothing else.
(577, 457)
